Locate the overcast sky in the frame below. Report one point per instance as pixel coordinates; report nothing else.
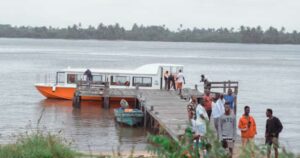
(172, 13)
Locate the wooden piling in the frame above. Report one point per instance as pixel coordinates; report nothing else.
(76, 100)
(106, 98)
(105, 102)
(145, 117)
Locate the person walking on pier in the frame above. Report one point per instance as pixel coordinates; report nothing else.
(200, 126)
(273, 128)
(207, 84)
(88, 75)
(227, 129)
(191, 107)
(166, 76)
(171, 82)
(230, 98)
(247, 127)
(218, 110)
(207, 102)
(180, 81)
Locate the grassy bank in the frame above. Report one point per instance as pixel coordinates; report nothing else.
(37, 145)
(46, 145)
(165, 147)
(41, 145)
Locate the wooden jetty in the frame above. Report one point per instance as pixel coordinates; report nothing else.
(162, 109)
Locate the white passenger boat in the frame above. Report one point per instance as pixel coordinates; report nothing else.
(146, 77)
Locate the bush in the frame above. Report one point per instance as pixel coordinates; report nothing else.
(37, 145)
(165, 147)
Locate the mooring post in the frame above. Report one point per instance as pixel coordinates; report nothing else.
(145, 117)
(106, 97)
(106, 101)
(76, 100)
(151, 122)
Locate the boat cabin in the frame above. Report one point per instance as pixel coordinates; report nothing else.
(148, 76)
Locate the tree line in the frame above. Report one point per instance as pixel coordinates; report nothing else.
(155, 33)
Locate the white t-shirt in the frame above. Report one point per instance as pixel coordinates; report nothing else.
(180, 77)
(218, 108)
(200, 122)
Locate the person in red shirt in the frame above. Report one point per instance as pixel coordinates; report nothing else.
(247, 127)
(207, 102)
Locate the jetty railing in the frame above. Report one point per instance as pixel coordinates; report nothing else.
(224, 85)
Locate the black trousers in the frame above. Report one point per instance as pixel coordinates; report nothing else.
(209, 113)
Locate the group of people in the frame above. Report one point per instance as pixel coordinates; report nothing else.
(172, 81)
(221, 107)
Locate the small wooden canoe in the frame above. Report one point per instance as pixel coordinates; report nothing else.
(129, 116)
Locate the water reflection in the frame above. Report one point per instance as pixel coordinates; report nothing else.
(91, 127)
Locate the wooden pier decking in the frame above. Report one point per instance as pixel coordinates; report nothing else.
(162, 109)
(168, 110)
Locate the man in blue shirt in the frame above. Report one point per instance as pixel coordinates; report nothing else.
(230, 99)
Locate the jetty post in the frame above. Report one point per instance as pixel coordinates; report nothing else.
(106, 98)
(77, 100)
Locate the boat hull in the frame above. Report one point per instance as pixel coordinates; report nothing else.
(68, 93)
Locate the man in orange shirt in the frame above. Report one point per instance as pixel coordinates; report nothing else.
(248, 128)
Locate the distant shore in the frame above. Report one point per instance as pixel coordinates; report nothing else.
(243, 34)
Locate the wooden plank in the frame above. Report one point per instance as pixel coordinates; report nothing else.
(169, 111)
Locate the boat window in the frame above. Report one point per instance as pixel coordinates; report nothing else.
(79, 77)
(71, 78)
(97, 78)
(178, 68)
(120, 80)
(60, 77)
(174, 70)
(142, 81)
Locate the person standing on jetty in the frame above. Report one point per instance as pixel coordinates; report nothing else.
(171, 82)
(218, 110)
(207, 84)
(200, 126)
(166, 76)
(191, 107)
(230, 98)
(227, 129)
(273, 128)
(180, 81)
(247, 126)
(89, 76)
(207, 102)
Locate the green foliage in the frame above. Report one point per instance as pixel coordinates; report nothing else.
(165, 147)
(260, 151)
(155, 33)
(37, 145)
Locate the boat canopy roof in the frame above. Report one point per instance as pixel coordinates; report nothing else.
(149, 69)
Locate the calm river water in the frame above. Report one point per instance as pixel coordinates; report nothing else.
(268, 75)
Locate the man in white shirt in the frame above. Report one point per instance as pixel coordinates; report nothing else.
(180, 81)
(201, 118)
(200, 126)
(218, 110)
